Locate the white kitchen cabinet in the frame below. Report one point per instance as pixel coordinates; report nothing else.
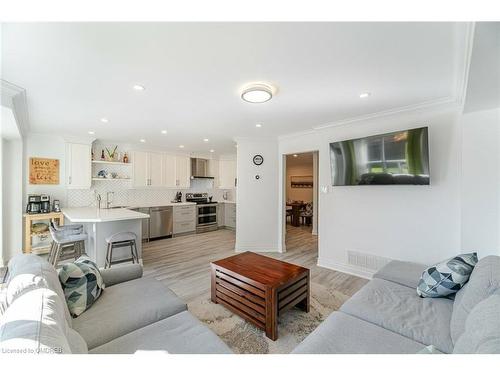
(213, 171)
(169, 171)
(155, 169)
(227, 174)
(78, 166)
(220, 214)
(183, 172)
(140, 168)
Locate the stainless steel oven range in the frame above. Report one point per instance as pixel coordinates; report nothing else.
(206, 211)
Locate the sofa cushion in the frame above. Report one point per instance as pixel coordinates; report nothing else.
(345, 334)
(447, 277)
(482, 329)
(125, 307)
(76, 342)
(35, 323)
(483, 282)
(399, 309)
(404, 273)
(82, 284)
(179, 334)
(27, 272)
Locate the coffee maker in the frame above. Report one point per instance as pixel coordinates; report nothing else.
(178, 197)
(44, 204)
(34, 205)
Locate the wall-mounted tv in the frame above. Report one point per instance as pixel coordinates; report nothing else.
(398, 158)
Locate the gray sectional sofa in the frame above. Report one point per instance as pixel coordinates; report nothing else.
(387, 316)
(134, 313)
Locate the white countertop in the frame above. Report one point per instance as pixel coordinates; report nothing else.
(163, 205)
(230, 202)
(94, 215)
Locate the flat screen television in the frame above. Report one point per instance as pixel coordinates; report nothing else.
(398, 158)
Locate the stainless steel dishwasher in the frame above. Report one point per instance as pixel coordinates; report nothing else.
(145, 223)
(160, 222)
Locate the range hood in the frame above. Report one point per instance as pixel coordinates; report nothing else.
(199, 168)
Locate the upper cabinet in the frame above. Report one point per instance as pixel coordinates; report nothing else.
(227, 174)
(154, 169)
(78, 166)
(183, 172)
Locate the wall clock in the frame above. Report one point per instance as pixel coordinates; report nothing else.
(258, 160)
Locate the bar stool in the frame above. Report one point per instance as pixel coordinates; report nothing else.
(70, 227)
(66, 245)
(117, 240)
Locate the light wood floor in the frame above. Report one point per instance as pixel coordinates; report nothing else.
(183, 263)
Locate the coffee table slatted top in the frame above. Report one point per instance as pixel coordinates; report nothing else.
(261, 269)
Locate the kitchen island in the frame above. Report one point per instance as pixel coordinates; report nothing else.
(102, 223)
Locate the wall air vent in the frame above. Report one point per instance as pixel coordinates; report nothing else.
(367, 261)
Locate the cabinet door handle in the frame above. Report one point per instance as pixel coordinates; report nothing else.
(70, 180)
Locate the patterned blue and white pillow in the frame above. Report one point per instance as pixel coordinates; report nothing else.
(82, 284)
(447, 277)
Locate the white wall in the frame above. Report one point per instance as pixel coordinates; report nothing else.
(414, 223)
(258, 201)
(52, 147)
(481, 182)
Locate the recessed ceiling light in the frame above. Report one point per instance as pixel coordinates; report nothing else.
(181, 146)
(139, 88)
(364, 95)
(142, 140)
(205, 140)
(295, 155)
(91, 132)
(212, 150)
(257, 93)
(258, 125)
(163, 132)
(104, 119)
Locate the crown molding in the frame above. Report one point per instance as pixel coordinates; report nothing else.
(14, 97)
(464, 60)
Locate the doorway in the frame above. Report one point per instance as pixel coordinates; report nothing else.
(300, 201)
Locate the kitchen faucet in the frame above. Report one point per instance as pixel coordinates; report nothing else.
(109, 198)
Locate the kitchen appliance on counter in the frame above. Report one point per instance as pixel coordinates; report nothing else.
(178, 197)
(199, 168)
(44, 204)
(161, 222)
(56, 205)
(34, 205)
(206, 211)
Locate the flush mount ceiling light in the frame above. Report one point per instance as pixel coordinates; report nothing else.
(258, 125)
(163, 132)
(212, 150)
(91, 132)
(181, 146)
(142, 140)
(138, 87)
(364, 95)
(104, 119)
(205, 140)
(257, 93)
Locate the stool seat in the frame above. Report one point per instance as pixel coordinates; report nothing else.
(121, 237)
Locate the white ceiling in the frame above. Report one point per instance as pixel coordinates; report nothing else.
(76, 73)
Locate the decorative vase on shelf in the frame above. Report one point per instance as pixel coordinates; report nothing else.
(125, 158)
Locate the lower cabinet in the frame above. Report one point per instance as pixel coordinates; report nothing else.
(184, 219)
(230, 215)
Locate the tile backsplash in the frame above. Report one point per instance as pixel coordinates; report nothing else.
(123, 195)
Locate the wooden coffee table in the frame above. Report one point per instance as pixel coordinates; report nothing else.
(259, 288)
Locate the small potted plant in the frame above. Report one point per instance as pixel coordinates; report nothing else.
(111, 154)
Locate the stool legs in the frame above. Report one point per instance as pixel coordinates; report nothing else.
(109, 253)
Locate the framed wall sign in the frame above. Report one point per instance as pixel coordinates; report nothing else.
(44, 171)
(258, 160)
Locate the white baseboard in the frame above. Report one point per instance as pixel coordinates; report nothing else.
(257, 249)
(346, 268)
